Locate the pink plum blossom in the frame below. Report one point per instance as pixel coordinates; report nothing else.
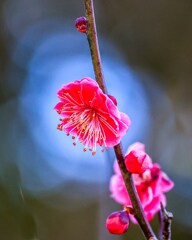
(90, 115)
(151, 186)
(137, 161)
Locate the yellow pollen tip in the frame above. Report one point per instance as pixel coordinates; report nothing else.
(73, 137)
(84, 149)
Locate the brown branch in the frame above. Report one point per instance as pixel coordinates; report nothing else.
(96, 59)
(93, 44)
(160, 218)
(130, 186)
(166, 223)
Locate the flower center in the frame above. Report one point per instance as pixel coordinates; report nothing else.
(86, 123)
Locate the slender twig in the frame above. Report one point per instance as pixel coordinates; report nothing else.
(166, 224)
(160, 218)
(93, 44)
(130, 186)
(95, 54)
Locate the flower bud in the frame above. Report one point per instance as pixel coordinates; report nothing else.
(81, 24)
(137, 162)
(118, 222)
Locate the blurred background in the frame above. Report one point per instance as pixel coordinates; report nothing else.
(50, 190)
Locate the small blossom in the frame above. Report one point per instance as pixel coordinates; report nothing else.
(81, 24)
(90, 115)
(118, 222)
(137, 161)
(151, 186)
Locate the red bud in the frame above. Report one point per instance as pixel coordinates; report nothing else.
(81, 24)
(118, 222)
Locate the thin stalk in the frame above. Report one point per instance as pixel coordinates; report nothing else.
(127, 176)
(130, 186)
(94, 45)
(166, 223)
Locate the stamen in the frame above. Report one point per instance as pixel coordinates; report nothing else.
(86, 122)
(60, 127)
(103, 120)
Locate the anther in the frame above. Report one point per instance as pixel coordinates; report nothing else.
(60, 127)
(93, 153)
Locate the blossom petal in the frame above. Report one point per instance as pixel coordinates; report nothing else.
(89, 92)
(118, 190)
(166, 183)
(137, 146)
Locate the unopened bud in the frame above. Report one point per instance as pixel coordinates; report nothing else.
(81, 24)
(118, 222)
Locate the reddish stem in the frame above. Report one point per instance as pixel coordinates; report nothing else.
(166, 223)
(93, 44)
(127, 176)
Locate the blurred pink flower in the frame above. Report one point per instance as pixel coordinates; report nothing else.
(136, 160)
(90, 115)
(151, 186)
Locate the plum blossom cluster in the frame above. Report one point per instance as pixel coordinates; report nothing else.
(90, 116)
(150, 181)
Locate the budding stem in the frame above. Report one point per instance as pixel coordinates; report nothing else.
(127, 176)
(93, 44)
